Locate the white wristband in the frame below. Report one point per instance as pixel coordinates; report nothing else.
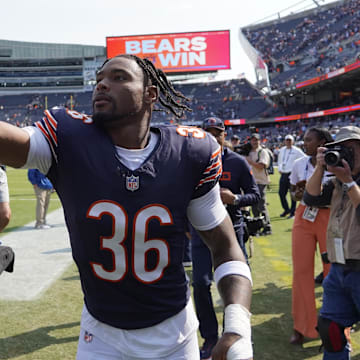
(232, 268)
(237, 321)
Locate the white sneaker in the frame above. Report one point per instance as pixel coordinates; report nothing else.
(43, 226)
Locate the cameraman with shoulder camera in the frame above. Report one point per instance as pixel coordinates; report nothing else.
(259, 159)
(341, 297)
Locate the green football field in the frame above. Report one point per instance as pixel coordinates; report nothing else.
(48, 328)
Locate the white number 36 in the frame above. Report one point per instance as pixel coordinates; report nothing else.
(140, 242)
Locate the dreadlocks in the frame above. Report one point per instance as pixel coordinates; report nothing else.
(169, 98)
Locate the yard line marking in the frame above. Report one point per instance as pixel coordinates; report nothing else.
(275, 260)
(280, 265)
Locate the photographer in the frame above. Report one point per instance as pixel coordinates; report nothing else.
(309, 230)
(237, 189)
(341, 299)
(259, 159)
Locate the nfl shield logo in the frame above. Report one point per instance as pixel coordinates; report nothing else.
(132, 183)
(88, 337)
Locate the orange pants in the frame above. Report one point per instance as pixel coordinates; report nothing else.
(305, 234)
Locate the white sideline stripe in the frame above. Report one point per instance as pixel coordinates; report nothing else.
(41, 256)
(31, 199)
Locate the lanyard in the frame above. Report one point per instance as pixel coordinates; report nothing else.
(306, 168)
(285, 161)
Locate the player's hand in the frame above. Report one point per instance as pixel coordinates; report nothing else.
(229, 347)
(227, 196)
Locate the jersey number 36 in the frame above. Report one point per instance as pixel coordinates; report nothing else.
(140, 242)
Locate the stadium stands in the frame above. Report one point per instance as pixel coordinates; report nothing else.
(226, 99)
(296, 48)
(305, 45)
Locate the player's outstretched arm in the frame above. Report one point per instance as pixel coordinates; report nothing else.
(14, 145)
(233, 278)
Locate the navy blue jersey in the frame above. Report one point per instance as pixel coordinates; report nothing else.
(237, 177)
(127, 227)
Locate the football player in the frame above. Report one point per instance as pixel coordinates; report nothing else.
(127, 189)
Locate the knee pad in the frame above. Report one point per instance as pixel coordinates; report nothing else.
(331, 334)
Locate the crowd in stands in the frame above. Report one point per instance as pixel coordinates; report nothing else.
(24, 110)
(229, 99)
(311, 45)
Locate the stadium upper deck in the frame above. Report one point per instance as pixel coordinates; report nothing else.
(308, 44)
(296, 48)
(28, 67)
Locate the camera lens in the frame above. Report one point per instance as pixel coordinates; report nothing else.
(332, 158)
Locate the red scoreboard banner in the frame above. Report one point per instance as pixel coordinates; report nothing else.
(179, 52)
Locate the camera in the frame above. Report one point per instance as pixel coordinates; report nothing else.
(334, 155)
(253, 225)
(243, 149)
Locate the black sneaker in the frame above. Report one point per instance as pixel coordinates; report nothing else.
(284, 213)
(265, 232)
(319, 279)
(207, 348)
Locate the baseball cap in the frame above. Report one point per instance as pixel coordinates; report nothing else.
(235, 137)
(289, 137)
(213, 122)
(255, 135)
(346, 133)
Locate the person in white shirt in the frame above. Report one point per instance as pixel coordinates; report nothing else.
(287, 156)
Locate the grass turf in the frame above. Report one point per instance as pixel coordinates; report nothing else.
(48, 328)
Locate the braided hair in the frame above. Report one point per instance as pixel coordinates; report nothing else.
(169, 98)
